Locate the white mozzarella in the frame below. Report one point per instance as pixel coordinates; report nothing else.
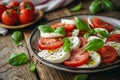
(117, 31)
(75, 42)
(48, 35)
(93, 37)
(67, 21)
(75, 32)
(115, 45)
(90, 19)
(54, 56)
(94, 60)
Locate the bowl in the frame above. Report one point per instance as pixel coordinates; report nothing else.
(35, 35)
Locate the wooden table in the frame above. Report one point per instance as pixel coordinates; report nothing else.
(43, 72)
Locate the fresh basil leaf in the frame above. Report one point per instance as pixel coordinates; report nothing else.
(67, 44)
(86, 35)
(81, 25)
(32, 67)
(60, 30)
(45, 28)
(93, 45)
(81, 77)
(17, 36)
(102, 32)
(18, 59)
(76, 8)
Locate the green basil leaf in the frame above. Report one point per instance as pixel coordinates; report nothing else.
(102, 32)
(32, 67)
(18, 59)
(67, 44)
(108, 4)
(60, 30)
(86, 35)
(81, 25)
(76, 8)
(17, 36)
(81, 77)
(93, 45)
(45, 28)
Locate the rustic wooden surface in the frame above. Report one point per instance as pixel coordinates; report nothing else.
(43, 72)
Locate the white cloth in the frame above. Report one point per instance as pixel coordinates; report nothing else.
(44, 5)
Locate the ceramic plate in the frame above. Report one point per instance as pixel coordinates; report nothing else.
(36, 34)
(38, 15)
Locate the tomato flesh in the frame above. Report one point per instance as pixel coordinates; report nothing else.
(49, 43)
(108, 54)
(78, 58)
(114, 37)
(2, 9)
(98, 23)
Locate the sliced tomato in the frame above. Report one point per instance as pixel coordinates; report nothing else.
(68, 27)
(114, 37)
(83, 42)
(81, 33)
(78, 58)
(98, 23)
(49, 43)
(108, 54)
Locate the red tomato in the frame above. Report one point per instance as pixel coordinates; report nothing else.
(98, 23)
(114, 37)
(49, 43)
(26, 4)
(2, 9)
(68, 27)
(26, 16)
(83, 42)
(13, 5)
(10, 17)
(78, 58)
(108, 54)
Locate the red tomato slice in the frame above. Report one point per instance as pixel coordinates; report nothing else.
(68, 27)
(78, 58)
(108, 54)
(114, 37)
(49, 43)
(83, 42)
(98, 23)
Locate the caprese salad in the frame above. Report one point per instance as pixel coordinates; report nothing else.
(81, 43)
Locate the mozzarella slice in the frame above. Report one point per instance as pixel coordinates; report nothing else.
(54, 56)
(90, 19)
(95, 37)
(94, 60)
(67, 21)
(115, 45)
(117, 31)
(75, 32)
(75, 42)
(48, 35)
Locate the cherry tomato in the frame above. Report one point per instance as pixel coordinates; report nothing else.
(49, 43)
(10, 17)
(25, 4)
(2, 9)
(114, 37)
(13, 5)
(108, 54)
(78, 58)
(26, 15)
(68, 27)
(98, 23)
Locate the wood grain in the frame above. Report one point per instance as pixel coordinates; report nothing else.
(8, 72)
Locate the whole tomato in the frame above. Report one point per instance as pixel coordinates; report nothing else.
(26, 15)
(2, 9)
(10, 17)
(13, 5)
(26, 4)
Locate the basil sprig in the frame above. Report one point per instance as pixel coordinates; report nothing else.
(81, 77)
(67, 45)
(60, 30)
(76, 8)
(93, 45)
(32, 67)
(17, 59)
(81, 25)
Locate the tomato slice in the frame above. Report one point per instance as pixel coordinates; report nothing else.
(98, 23)
(108, 54)
(49, 43)
(83, 42)
(78, 58)
(68, 27)
(114, 37)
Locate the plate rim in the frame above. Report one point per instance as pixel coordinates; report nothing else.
(78, 70)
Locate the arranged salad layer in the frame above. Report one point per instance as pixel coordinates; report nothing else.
(81, 43)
